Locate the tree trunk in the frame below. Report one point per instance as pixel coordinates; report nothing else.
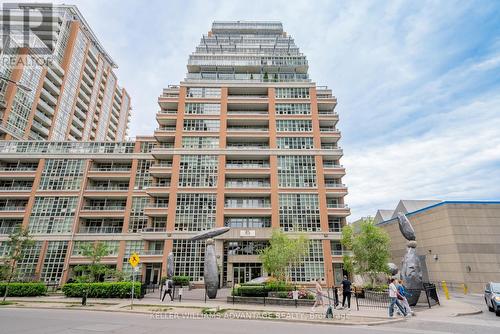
(8, 282)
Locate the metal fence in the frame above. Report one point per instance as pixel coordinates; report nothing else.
(372, 299)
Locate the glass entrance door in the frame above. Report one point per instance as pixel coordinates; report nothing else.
(244, 272)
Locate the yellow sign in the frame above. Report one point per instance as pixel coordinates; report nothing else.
(134, 260)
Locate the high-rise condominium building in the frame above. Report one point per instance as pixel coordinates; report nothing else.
(56, 79)
(245, 141)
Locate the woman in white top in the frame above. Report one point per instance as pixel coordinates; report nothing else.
(393, 296)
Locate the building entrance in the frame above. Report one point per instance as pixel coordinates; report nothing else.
(153, 272)
(244, 272)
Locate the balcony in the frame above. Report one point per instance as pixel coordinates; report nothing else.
(100, 229)
(9, 229)
(156, 209)
(151, 252)
(247, 146)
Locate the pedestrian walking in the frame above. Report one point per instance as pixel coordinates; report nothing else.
(346, 292)
(393, 296)
(319, 296)
(167, 289)
(404, 293)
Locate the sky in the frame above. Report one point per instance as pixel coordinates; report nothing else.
(417, 82)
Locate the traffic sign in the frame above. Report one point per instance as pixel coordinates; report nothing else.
(134, 260)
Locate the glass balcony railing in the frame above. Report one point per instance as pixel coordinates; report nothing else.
(165, 128)
(247, 128)
(151, 252)
(110, 168)
(331, 184)
(104, 207)
(336, 206)
(157, 206)
(328, 129)
(16, 188)
(154, 229)
(250, 165)
(12, 208)
(9, 229)
(247, 146)
(100, 229)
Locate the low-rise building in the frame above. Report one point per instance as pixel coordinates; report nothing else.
(458, 241)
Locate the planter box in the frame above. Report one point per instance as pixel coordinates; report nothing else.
(270, 301)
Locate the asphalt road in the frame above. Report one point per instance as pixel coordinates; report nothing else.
(17, 321)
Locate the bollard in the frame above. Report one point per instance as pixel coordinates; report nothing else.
(465, 288)
(445, 290)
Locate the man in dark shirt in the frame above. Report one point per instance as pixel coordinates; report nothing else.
(346, 292)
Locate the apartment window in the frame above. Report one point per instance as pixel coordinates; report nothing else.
(198, 171)
(245, 247)
(296, 171)
(195, 212)
(293, 125)
(138, 220)
(336, 247)
(79, 245)
(53, 264)
(200, 142)
(334, 224)
(299, 212)
(203, 92)
(53, 215)
(207, 125)
(293, 108)
(247, 222)
(147, 147)
(312, 267)
(26, 266)
(112, 246)
(295, 143)
(62, 174)
(143, 179)
(189, 258)
(202, 108)
(292, 93)
(134, 246)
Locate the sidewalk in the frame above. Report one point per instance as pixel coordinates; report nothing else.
(191, 307)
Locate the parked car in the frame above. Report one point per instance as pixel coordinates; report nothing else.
(492, 297)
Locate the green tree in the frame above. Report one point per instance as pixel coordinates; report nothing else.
(17, 244)
(93, 271)
(370, 249)
(283, 253)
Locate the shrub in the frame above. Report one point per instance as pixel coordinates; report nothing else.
(102, 290)
(253, 291)
(377, 288)
(279, 286)
(181, 280)
(235, 291)
(23, 289)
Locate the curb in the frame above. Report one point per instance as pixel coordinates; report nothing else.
(381, 321)
(461, 314)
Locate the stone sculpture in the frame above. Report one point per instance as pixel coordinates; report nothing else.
(411, 270)
(393, 269)
(210, 270)
(170, 265)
